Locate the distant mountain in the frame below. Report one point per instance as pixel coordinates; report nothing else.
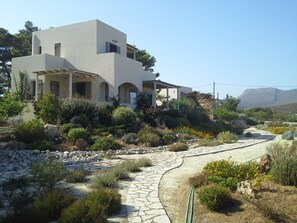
(267, 97)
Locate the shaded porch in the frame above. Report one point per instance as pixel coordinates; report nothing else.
(158, 85)
(72, 81)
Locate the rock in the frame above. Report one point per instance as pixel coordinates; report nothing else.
(81, 144)
(15, 145)
(288, 135)
(265, 163)
(245, 187)
(52, 131)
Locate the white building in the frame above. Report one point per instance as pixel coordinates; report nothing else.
(91, 59)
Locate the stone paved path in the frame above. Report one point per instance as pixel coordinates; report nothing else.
(142, 200)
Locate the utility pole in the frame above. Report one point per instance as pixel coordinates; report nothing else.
(214, 95)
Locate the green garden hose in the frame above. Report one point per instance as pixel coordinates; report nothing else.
(190, 206)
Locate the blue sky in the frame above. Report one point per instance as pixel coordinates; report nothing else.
(238, 44)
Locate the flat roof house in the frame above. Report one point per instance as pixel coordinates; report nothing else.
(91, 59)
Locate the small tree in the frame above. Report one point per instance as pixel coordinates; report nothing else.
(48, 108)
(11, 105)
(22, 87)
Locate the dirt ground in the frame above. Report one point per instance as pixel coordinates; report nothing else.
(274, 203)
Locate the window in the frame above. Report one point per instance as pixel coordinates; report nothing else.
(39, 50)
(58, 49)
(132, 97)
(54, 87)
(110, 47)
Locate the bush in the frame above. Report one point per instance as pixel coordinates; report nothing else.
(208, 142)
(280, 130)
(108, 198)
(144, 162)
(284, 163)
(198, 180)
(81, 120)
(150, 139)
(284, 171)
(77, 176)
(177, 147)
(30, 131)
(14, 121)
(183, 121)
(227, 137)
(228, 173)
(105, 144)
(10, 105)
(124, 116)
(52, 203)
(48, 172)
(197, 117)
(248, 134)
(42, 145)
(48, 108)
(26, 215)
(78, 106)
(224, 114)
(105, 179)
(215, 197)
(288, 135)
(120, 173)
(77, 133)
(105, 113)
(131, 166)
(168, 121)
(65, 128)
(82, 212)
(130, 138)
(168, 138)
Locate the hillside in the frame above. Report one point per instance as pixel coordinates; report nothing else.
(286, 109)
(267, 97)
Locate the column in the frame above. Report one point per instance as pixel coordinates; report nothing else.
(167, 98)
(154, 96)
(70, 85)
(36, 87)
(178, 98)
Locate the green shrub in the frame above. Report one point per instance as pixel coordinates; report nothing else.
(248, 134)
(81, 120)
(52, 203)
(177, 147)
(215, 197)
(224, 114)
(227, 137)
(105, 113)
(130, 138)
(183, 121)
(48, 108)
(26, 215)
(168, 138)
(284, 171)
(120, 173)
(131, 166)
(280, 130)
(124, 116)
(105, 144)
(77, 176)
(48, 172)
(197, 117)
(108, 198)
(30, 131)
(288, 135)
(173, 113)
(65, 128)
(150, 139)
(105, 179)
(77, 133)
(14, 121)
(168, 121)
(81, 212)
(10, 105)
(144, 162)
(79, 106)
(228, 173)
(208, 142)
(284, 163)
(42, 145)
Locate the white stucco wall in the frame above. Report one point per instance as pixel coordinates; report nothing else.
(83, 47)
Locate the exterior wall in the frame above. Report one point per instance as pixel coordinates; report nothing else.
(33, 63)
(83, 47)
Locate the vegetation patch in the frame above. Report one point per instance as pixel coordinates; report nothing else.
(178, 147)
